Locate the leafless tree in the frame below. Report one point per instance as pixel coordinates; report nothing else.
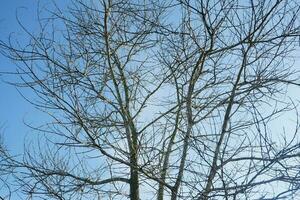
(162, 100)
(5, 168)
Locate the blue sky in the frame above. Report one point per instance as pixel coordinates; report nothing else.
(13, 108)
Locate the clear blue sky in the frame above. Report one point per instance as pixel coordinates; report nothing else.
(13, 108)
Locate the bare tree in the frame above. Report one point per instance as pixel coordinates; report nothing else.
(5, 168)
(162, 99)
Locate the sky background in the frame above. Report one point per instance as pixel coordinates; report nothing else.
(14, 109)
